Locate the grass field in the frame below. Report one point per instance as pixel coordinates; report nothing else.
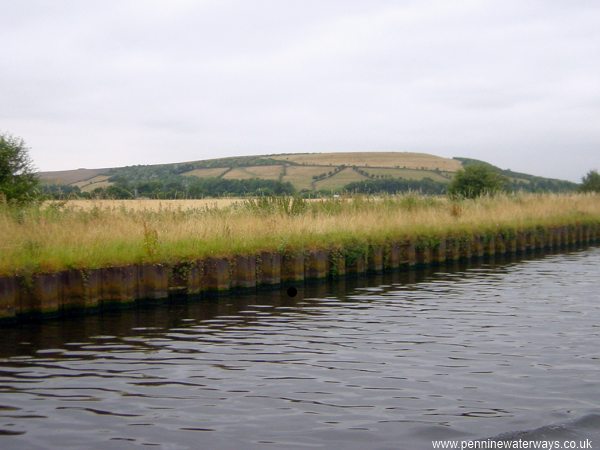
(301, 177)
(301, 169)
(70, 176)
(57, 236)
(206, 173)
(374, 159)
(93, 183)
(340, 179)
(408, 174)
(245, 173)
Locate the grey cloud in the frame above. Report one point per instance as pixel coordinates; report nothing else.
(127, 82)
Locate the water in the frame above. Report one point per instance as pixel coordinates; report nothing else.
(505, 350)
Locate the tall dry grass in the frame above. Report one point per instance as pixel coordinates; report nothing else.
(150, 205)
(58, 236)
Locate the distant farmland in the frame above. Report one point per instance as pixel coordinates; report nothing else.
(306, 172)
(405, 160)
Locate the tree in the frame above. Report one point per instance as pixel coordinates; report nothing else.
(590, 182)
(476, 180)
(18, 181)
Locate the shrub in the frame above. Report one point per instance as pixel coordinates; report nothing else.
(590, 182)
(476, 180)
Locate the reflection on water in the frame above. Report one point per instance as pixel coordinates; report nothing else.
(497, 349)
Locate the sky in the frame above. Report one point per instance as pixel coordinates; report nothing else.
(119, 82)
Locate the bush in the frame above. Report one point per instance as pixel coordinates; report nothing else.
(590, 182)
(476, 180)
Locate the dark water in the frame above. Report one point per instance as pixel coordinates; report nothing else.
(510, 349)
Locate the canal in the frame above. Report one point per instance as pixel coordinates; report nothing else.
(505, 348)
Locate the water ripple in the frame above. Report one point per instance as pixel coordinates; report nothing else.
(499, 349)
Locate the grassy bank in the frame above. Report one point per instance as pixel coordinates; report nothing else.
(61, 236)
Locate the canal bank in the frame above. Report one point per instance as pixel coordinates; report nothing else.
(39, 295)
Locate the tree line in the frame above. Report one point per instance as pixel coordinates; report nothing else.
(176, 187)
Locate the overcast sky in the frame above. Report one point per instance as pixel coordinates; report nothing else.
(111, 83)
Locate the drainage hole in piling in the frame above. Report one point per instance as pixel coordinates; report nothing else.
(292, 291)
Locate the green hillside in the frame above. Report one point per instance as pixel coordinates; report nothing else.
(304, 173)
(523, 182)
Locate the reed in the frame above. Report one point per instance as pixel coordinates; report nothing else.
(60, 236)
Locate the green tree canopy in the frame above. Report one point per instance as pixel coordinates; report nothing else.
(590, 182)
(476, 180)
(18, 181)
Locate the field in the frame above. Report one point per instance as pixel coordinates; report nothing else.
(299, 169)
(93, 183)
(302, 176)
(374, 159)
(245, 173)
(206, 173)
(408, 174)
(340, 179)
(57, 236)
(305, 171)
(70, 176)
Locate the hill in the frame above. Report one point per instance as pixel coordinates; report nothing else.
(307, 173)
(525, 182)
